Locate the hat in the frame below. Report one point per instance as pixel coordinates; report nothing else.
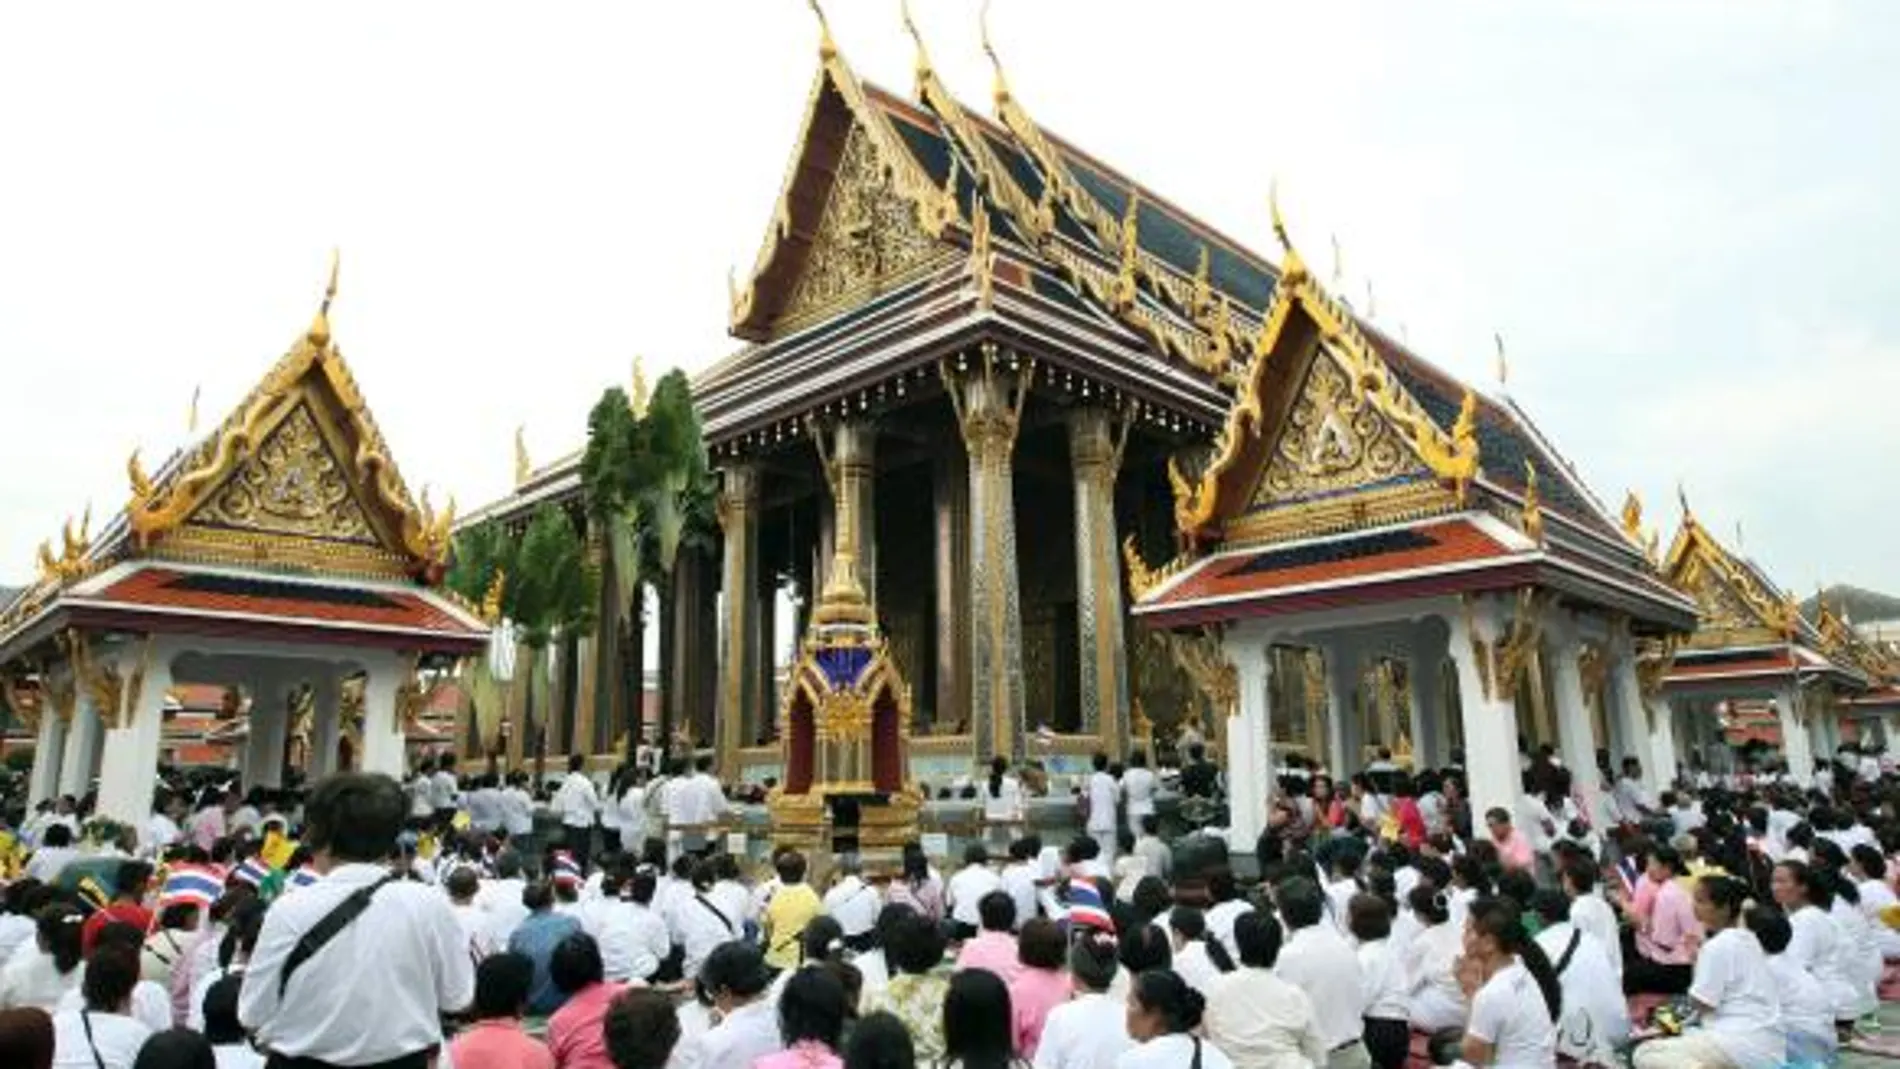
(738, 968)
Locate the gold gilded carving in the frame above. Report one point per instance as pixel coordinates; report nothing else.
(290, 485)
(867, 234)
(1201, 656)
(1530, 518)
(1126, 286)
(113, 690)
(1333, 440)
(25, 698)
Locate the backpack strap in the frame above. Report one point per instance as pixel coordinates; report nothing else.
(328, 928)
(1570, 951)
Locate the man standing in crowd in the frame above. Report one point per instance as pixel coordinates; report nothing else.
(578, 803)
(359, 968)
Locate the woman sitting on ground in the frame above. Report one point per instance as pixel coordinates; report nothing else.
(1733, 992)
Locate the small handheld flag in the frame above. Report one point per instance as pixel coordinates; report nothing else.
(253, 871)
(566, 870)
(276, 850)
(191, 884)
(1086, 907)
(299, 879)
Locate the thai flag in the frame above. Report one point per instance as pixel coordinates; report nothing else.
(1086, 907)
(252, 871)
(1627, 871)
(191, 884)
(566, 870)
(301, 878)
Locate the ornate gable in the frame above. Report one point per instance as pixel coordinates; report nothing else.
(1737, 605)
(298, 477)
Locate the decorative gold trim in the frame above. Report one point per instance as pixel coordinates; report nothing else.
(1365, 508)
(1530, 517)
(1694, 549)
(25, 698)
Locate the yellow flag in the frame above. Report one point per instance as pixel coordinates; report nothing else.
(425, 846)
(460, 821)
(276, 850)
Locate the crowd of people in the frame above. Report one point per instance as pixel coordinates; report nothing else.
(1744, 921)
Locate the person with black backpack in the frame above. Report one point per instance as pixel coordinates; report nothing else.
(358, 969)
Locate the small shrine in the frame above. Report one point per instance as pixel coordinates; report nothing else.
(844, 725)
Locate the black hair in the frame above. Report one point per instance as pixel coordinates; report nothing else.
(1368, 918)
(736, 968)
(1868, 858)
(241, 931)
(1550, 905)
(1093, 960)
(914, 945)
(1146, 948)
(119, 933)
(1041, 945)
(1470, 872)
(502, 984)
(641, 1029)
(1724, 893)
(916, 864)
(1258, 937)
(878, 1041)
(58, 926)
(463, 883)
(1151, 898)
(791, 867)
(822, 939)
(575, 963)
(1301, 903)
(1815, 887)
(1581, 875)
(813, 1006)
(176, 1048)
(356, 815)
(537, 895)
(977, 1021)
(57, 835)
(1191, 923)
(111, 973)
(221, 1011)
(1771, 928)
(1500, 920)
(997, 911)
(888, 918)
(1518, 886)
(1220, 886)
(1164, 993)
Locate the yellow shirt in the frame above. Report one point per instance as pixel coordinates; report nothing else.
(786, 918)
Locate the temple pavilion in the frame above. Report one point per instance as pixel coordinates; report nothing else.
(1755, 651)
(281, 555)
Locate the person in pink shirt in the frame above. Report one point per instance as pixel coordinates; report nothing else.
(575, 1034)
(1514, 851)
(994, 948)
(494, 1040)
(1667, 934)
(811, 1014)
(1040, 985)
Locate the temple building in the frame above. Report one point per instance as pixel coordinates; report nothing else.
(280, 557)
(1756, 655)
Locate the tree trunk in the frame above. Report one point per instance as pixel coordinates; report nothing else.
(609, 697)
(530, 721)
(669, 635)
(635, 680)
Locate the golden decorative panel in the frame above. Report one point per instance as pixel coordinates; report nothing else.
(1722, 608)
(867, 235)
(1333, 440)
(291, 485)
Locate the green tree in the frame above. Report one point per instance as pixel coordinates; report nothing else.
(484, 557)
(616, 475)
(680, 500)
(554, 592)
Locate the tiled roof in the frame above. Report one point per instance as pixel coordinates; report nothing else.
(1742, 664)
(227, 594)
(1258, 576)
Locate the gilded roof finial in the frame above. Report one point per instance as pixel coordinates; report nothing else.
(1739, 548)
(1633, 516)
(191, 416)
(637, 394)
(522, 468)
(319, 334)
(827, 48)
(921, 65)
(1339, 265)
(1682, 496)
(999, 90)
(1503, 365)
(1372, 304)
(1290, 264)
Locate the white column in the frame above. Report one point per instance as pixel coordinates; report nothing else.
(1489, 711)
(326, 720)
(382, 729)
(1632, 717)
(266, 712)
(1890, 730)
(1425, 681)
(48, 752)
(1663, 743)
(1575, 739)
(1343, 665)
(1794, 735)
(1249, 760)
(82, 747)
(130, 771)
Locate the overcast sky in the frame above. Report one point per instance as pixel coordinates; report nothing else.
(1681, 216)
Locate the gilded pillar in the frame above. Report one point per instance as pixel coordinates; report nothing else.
(1095, 453)
(738, 636)
(952, 530)
(989, 391)
(854, 471)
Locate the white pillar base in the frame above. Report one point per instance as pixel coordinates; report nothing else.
(1574, 733)
(49, 749)
(1794, 737)
(325, 723)
(130, 772)
(1663, 746)
(1489, 712)
(82, 748)
(1249, 756)
(382, 733)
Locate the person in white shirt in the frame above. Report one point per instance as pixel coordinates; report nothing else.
(1594, 1021)
(41, 972)
(853, 903)
(1590, 913)
(102, 1033)
(332, 1008)
(1806, 1015)
(1227, 907)
(484, 805)
(1868, 868)
(633, 811)
(1733, 990)
(578, 804)
(700, 924)
(1103, 794)
(1318, 960)
(1200, 960)
(477, 924)
(1515, 997)
(1164, 1017)
(150, 1003)
(53, 854)
(1254, 1015)
(517, 811)
(1819, 944)
(445, 792)
(1388, 1032)
(967, 887)
(1090, 1031)
(500, 897)
(1002, 796)
(1021, 876)
(1138, 792)
(736, 979)
(647, 939)
(161, 829)
(694, 803)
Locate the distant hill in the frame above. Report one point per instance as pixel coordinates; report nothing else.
(1863, 606)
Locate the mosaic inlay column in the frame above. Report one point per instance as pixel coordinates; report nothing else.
(988, 390)
(952, 522)
(738, 637)
(853, 457)
(1095, 455)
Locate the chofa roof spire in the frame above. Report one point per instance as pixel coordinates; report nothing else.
(319, 333)
(827, 47)
(999, 89)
